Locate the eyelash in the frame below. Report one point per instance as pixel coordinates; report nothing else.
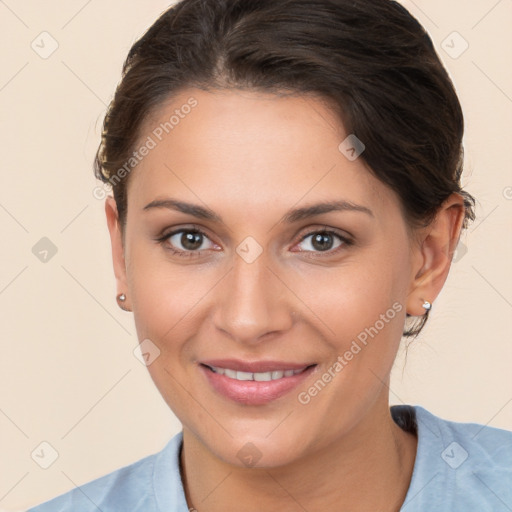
(347, 242)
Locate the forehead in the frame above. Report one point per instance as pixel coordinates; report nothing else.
(246, 148)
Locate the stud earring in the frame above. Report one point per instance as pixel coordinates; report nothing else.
(427, 305)
(121, 300)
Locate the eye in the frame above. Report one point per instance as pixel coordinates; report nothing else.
(323, 241)
(186, 242)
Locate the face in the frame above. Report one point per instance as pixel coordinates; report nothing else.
(270, 271)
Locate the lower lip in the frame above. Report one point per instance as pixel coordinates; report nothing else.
(251, 392)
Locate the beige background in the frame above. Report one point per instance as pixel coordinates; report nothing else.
(68, 373)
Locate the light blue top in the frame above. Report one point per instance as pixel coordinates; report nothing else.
(459, 467)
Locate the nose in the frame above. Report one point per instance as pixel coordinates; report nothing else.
(253, 302)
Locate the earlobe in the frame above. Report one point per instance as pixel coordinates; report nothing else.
(434, 255)
(118, 259)
(121, 301)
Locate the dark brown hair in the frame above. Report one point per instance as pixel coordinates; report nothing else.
(370, 59)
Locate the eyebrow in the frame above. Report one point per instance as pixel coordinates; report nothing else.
(290, 217)
(192, 209)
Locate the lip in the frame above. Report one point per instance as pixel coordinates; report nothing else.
(250, 392)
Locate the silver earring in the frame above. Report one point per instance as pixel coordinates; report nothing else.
(427, 305)
(121, 300)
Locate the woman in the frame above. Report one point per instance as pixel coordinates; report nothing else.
(286, 204)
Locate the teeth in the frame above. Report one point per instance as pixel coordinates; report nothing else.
(263, 376)
(244, 376)
(257, 376)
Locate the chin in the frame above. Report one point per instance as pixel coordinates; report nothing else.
(259, 451)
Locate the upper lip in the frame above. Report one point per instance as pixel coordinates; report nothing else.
(254, 366)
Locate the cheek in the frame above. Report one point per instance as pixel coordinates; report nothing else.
(165, 296)
(166, 302)
(352, 297)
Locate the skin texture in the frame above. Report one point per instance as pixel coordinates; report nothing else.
(251, 157)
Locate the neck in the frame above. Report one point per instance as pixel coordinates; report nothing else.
(370, 468)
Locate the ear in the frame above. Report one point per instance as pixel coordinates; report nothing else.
(116, 239)
(433, 254)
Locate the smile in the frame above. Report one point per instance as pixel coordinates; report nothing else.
(256, 383)
(257, 376)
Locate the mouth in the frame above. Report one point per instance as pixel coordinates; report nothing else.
(255, 383)
(257, 376)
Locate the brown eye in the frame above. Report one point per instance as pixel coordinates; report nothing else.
(187, 241)
(322, 241)
(191, 241)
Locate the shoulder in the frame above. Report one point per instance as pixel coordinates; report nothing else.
(460, 466)
(131, 487)
(480, 445)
